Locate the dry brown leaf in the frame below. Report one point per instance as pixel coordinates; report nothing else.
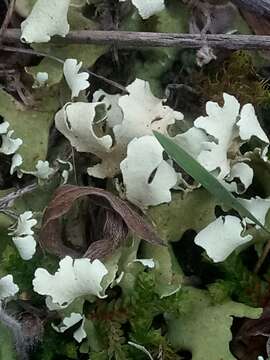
(111, 219)
(259, 24)
(251, 337)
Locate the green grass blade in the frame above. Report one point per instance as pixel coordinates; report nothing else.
(206, 179)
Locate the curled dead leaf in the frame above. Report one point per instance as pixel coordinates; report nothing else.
(252, 337)
(107, 221)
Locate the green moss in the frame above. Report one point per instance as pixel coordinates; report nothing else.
(7, 351)
(56, 346)
(23, 271)
(236, 76)
(243, 285)
(133, 318)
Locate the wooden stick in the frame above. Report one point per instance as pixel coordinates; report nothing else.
(125, 39)
(8, 200)
(7, 19)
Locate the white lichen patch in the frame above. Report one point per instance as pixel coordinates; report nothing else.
(227, 129)
(7, 287)
(258, 207)
(114, 111)
(41, 80)
(76, 81)
(147, 8)
(43, 170)
(149, 263)
(249, 125)
(16, 162)
(4, 127)
(74, 278)
(143, 113)
(146, 176)
(241, 172)
(9, 145)
(76, 122)
(47, 18)
(22, 235)
(221, 237)
(125, 117)
(79, 334)
(220, 124)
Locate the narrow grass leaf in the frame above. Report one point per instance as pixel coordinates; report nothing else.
(206, 179)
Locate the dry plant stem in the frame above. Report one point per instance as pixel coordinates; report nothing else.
(110, 82)
(24, 94)
(262, 258)
(7, 18)
(125, 39)
(30, 52)
(74, 165)
(38, 53)
(7, 200)
(10, 213)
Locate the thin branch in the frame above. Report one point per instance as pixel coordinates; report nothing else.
(7, 200)
(125, 39)
(7, 19)
(108, 81)
(42, 54)
(74, 165)
(30, 52)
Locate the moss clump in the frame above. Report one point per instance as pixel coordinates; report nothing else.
(137, 318)
(236, 76)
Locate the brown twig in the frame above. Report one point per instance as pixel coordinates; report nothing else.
(110, 82)
(7, 19)
(126, 39)
(22, 91)
(7, 200)
(42, 54)
(30, 52)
